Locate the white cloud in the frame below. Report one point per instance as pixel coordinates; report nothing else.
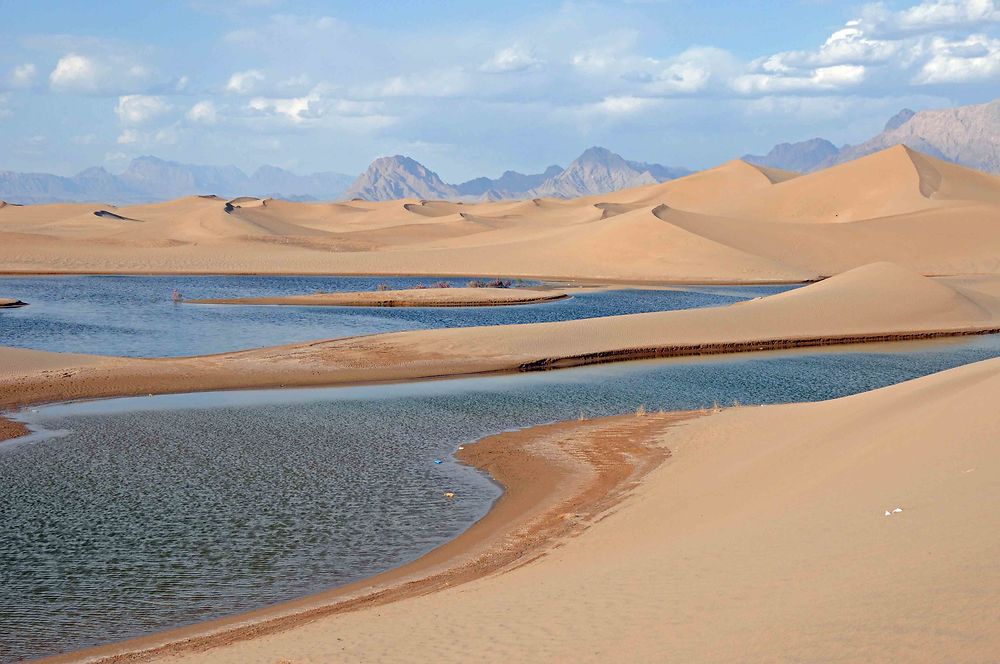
(203, 112)
(849, 45)
(623, 105)
(105, 73)
(74, 72)
(443, 83)
(820, 79)
(23, 76)
(140, 109)
(128, 136)
(244, 82)
(318, 108)
(975, 58)
(929, 16)
(512, 59)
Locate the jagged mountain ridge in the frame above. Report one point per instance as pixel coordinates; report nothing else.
(965, 135)
(596, 171)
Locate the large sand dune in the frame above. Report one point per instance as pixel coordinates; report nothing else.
(737, 222)
(877, 302)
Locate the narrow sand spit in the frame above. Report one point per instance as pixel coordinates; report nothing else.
(410, 297)
(9, 303)
(857, 529)
(880, 302)
(897, 205)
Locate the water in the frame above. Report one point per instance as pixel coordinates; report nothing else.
(128, 516)
(134, 316)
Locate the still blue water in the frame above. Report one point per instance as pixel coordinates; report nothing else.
(134, 316)
(127, 516)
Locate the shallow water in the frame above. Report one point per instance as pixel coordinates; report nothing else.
(127, 516)
(134, 316)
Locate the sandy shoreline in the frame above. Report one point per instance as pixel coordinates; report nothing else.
(763, 521)
(411, 297)
(875, 303)
(557, 479)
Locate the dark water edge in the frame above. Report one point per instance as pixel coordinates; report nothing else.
(128, 516)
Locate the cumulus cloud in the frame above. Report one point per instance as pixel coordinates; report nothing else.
(317, 108)
(626, 105)
(820, 79)
(929, 16)
(128, 136)
(76, 73)
(244, 82)
(99, 74)
(23, 76)
(511, 59)
(140, 109)
(203, 112)
(975, 58)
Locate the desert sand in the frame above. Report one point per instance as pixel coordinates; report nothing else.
(733, 223)
(878, 302)
(409, 297)
(858, 529)
(753, 534)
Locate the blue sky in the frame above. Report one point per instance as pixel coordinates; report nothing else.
(471, 88)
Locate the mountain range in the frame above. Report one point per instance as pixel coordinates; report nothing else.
(152, 179)
(966, 135)
(596, 171)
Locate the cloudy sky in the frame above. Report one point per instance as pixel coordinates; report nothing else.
(471, 88)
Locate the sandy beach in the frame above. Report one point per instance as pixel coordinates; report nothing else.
(410, 297)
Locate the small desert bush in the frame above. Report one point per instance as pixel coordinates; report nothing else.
(382, 287)
(442, 284)
(640, 411)
(493, 283)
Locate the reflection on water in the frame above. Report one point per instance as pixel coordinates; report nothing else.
(156, 512)
(134, 316)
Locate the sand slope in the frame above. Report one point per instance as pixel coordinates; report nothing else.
(762, 538)
(873, 303)
(737, 222)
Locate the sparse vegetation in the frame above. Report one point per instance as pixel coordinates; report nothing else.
(495, 283)
(640, 411)
(382, 287)
(442, 284)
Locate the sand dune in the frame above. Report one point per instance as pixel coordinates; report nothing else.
(761, 538)
(737, 223)
(879, 302)
(411, 297)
